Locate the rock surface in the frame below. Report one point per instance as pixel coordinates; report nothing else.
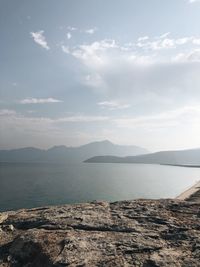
(145, 233)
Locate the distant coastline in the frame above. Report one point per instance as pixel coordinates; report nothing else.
(182, 165)
(182, 158)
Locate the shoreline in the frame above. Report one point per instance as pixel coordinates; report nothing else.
(181, 165)
(187, 194)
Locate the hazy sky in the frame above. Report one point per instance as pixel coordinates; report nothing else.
(76, 71)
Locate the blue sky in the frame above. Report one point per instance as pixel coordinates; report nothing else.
(77, 71)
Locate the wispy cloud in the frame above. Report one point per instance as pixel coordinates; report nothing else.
(164, 35)
(7, 112)
(40, 39)
(143, 38)
(71, 28)
(88, 31)
(15, 119)
(112, 105)
(183, 121)
(82, 118)
(19, 122)
(163, 42)
(40, 100)
(184, 115)
(26, 130)
(91, 31)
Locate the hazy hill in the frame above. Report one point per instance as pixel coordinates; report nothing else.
(179, 157)
(69, 154)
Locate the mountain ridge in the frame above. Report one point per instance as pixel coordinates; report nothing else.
(171, 157)
(63, 153)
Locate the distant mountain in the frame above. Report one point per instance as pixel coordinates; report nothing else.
(69, 154)
(179, 157)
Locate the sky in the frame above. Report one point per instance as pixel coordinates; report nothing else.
(78, 71)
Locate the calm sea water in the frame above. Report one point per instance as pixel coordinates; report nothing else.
(33, 185)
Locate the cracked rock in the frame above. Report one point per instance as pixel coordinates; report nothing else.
(143, 233)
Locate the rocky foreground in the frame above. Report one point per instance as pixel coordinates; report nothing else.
(142, 233)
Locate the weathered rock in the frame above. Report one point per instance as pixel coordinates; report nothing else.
(195, 197)
(143, 233)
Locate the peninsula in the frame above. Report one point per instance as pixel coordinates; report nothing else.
(185, 158)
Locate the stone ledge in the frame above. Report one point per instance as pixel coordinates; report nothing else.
(146, 233)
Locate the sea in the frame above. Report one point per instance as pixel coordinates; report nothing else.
(29, 185)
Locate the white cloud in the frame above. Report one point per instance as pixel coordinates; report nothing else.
(39, 100)
(193, 1)
(142, 51)
(113, 105)
(143, 38)
(91, 31)
(184, 40)
(94, 80)
(91, 53)
(69, 36)
(39, 38)
(174, 129)
(196, 41)
(164, 35)
(167, 43)
(140, 77)
(65, 49)
(88, 31)
(155, 42)
(71, 28)
(191, 56)
(163, 42)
